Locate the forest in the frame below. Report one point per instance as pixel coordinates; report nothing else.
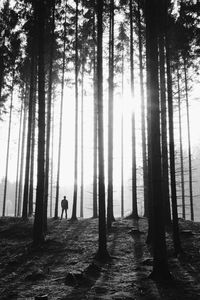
(99, 103)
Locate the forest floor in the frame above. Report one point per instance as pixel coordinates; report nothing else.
(65, 268)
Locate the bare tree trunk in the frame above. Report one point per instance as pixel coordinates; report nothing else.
(110, 216)
(52, 152)
(31, 185)
(189, 143)
(19, 206)
(60, 126)
(28, 145)
(160, 264)
(176, 238)
(122, 140)
(102, 253)
(74, 217)
(134, 172)
(50, 79)
(82, 145)
(38, 228)
(181, 146)
(143, 123)
(18, 152)
(95, 123)
(164, 158)
(8, 146)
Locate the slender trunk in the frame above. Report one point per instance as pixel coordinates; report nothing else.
(143, 123)
(181, 147)
(110, 216)
(28, 145)
(31, 185)
(52, 152)
(134, 174)
(8, 146)
(160, 265)
(95, 123)
(189, 143)
(165, 174)
(19, 206)
(102, 249)
(60, 125)
(74, 217)
(122, 140)
(50, 82)
(82, 143)
(38, 229)
(176, 238)
(18, 153)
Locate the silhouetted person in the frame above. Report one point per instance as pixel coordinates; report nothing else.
(64, 205)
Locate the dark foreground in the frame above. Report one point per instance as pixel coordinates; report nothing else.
(64, 267)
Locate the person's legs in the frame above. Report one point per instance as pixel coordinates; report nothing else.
(66, 213)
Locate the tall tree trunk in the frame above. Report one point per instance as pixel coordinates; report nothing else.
(82, 144)
(74, 217)
(134, 172)
(160, 265)
(122, 138)
(60, 125)
(32, 158)
(181, 146)
(165, 173)
(8, 146)
(95, 122)
(110, 216)
(189, 143)
(143, 123)
(176, 238)
(52, 152)
(18, 152)
(50, 82)
(38, 228)
(28, 145)
(102, 249)
(21, 172)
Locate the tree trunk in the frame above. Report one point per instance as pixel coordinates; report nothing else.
(165, 173)
(95, 215)
(82, 143)
(102, 253)
(38, 228)
(122, 139)
(19, 206)
(143, 123)
(18, 152)
(50, 82)
(8, 146)
(189, 143)
(52, 152)
(176, 238)
(110, 216)
(31, 185)
(74, 217)
(28, 145)
(160, 265)
(60, 125)
(181, 146)
(134, 174)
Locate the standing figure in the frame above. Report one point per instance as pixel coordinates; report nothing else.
(64, 205)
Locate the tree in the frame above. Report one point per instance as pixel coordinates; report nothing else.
(110, 216)
(102, 253)
(134, 171)
(160, 265)
(74, 217)
(38, 229)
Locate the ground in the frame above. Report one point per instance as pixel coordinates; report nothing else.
(65, 268)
